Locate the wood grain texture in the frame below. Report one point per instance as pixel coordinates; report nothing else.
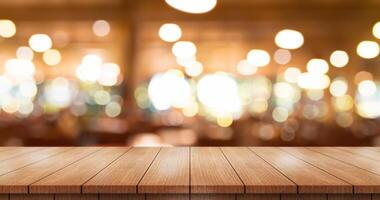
(349, 197)
(169, 172)
(18, 181)
(25, 159)
(258, 197)
(76, 197)
(31, 197)
(71, 178)
(213, 197)
(369, 152)
(257, 175)
(124, 174)
(121, 196)
(303, 196)
(311, 180)
(8, 153)
(347, 157)
(212, 173)
(362, 180)
(167, 197)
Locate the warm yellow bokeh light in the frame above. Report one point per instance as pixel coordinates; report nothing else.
(282, 56)
(280, 114)
(40, 42)
(192, 6)
(101, 28)
(258, 58)
(289, 39)
(291, 74)
(52, 57)
(184, 49)
(339, 58)
(376, 30)
(245, 68)
(7, 28)
(361, 76)
(313, 81)
(25, 53)
(338, 87)
(367, 88)
(195, 69)
(224, 121)
(317, 66)
(367, 49)
(170, 32)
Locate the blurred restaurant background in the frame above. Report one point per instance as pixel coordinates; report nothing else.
(189, 72)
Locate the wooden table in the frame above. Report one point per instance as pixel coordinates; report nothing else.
(196, 173)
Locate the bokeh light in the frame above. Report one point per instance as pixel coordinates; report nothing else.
(24, 53)
(291, 74)
(245, 68)
(317, 66)
(7, 28)
(184, 49)
(258, 58)
(367, 88)
(367, 49)
(339, 58)
(40, 42)
(170, 32)
(52, 57)
(192, 6)
(101, 28)
(289, 39)
(376, 30)
(282, 56)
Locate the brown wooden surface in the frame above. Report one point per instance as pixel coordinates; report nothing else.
(28, 158)
(212, 173)
(71, 178)
(309, 179)
(124, 174)
(363, 180)
(257, 175)
(169, 172)
(350, 158)
(190, 173)
(19, 180)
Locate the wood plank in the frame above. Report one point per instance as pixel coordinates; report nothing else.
(258, 197)
(71, 178)
(16, 151)
(19, 180)
(124, 174)
(356, 160)
(169, 172)
(349, 197)
(31, 157)
(31, 197)
(76, 197)
(213, 197)
(303, 197)
(369, 152)
(167, 196)
(212, 173)
(257, 175)
(362, 180)
(121, 196)
(308, 178)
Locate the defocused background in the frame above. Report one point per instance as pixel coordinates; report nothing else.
(189, 72)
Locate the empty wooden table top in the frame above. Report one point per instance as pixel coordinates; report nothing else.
(189, 170)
